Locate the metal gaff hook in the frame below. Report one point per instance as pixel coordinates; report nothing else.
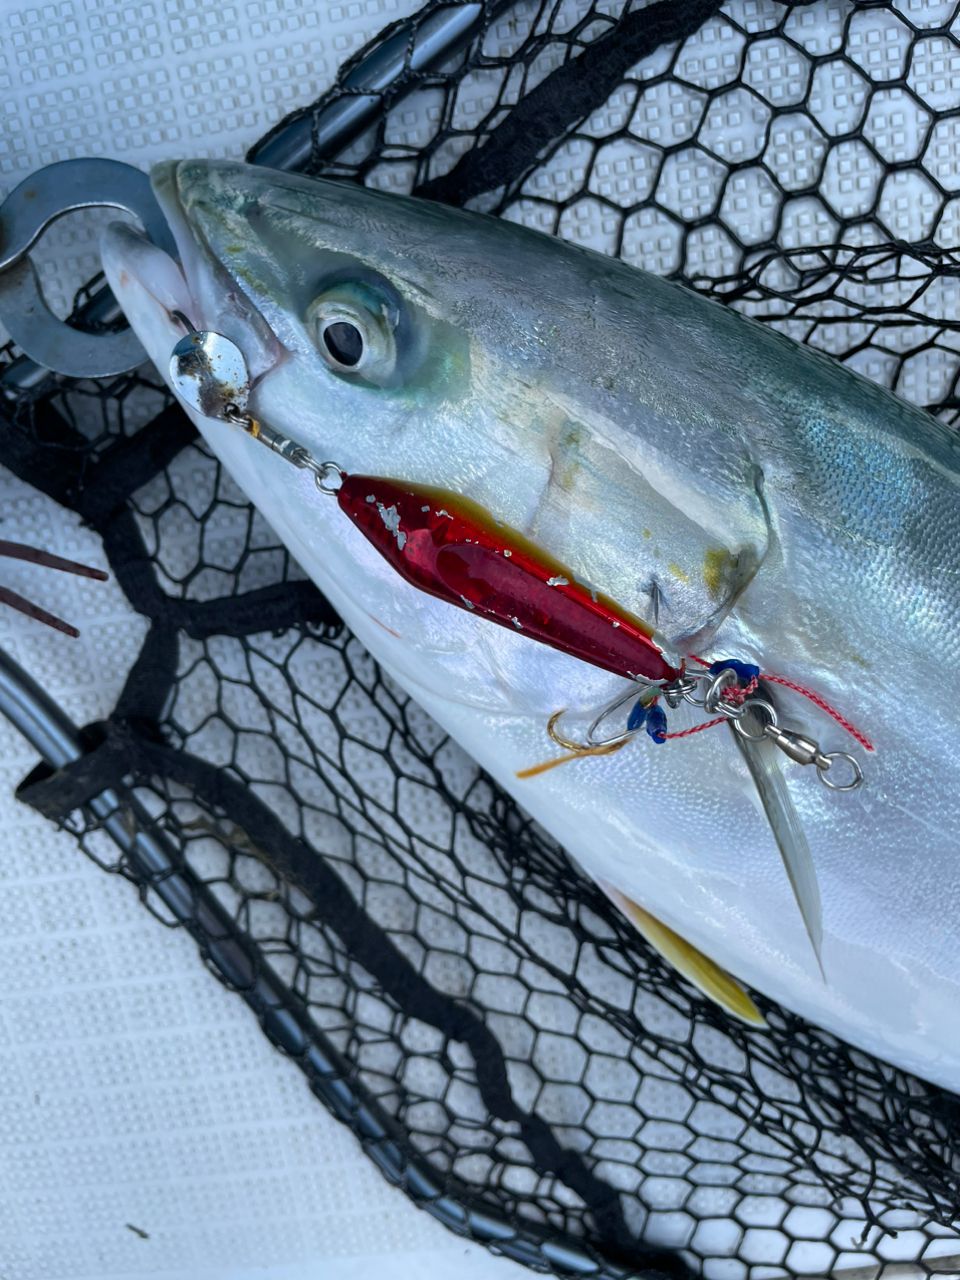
(26, 213)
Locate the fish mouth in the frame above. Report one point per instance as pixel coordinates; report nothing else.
(163, 295)
(130, 257)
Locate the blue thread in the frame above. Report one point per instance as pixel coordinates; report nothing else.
(744, 671)
(653, 718)
(656, 724)
(637, 716)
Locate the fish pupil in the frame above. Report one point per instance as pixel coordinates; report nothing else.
(344, 341)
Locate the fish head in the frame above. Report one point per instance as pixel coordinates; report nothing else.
(342, 337)
(400, 338)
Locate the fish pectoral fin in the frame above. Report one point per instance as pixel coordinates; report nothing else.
(707, 976)
(728, 573)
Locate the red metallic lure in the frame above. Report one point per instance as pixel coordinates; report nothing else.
(452, 548)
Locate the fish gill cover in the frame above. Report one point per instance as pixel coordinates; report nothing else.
(501, 1041)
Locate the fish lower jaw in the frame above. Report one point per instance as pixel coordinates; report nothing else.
(161, 298)
(145, 279)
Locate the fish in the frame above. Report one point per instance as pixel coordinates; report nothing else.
(743, 496)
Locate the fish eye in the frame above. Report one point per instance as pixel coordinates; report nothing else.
(344, 341)
(353, 328)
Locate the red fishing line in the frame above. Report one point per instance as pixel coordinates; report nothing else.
(815, 698)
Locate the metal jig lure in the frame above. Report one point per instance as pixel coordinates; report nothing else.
(448, 546)
(440, 542)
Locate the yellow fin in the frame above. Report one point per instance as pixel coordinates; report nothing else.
(697, 968)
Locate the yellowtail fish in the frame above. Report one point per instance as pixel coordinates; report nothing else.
(743, 497)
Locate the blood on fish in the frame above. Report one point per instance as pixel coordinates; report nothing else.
(384, 627)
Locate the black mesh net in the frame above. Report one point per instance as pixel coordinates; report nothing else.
(504, 1045)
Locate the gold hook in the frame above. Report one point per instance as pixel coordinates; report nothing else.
(575, 750)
